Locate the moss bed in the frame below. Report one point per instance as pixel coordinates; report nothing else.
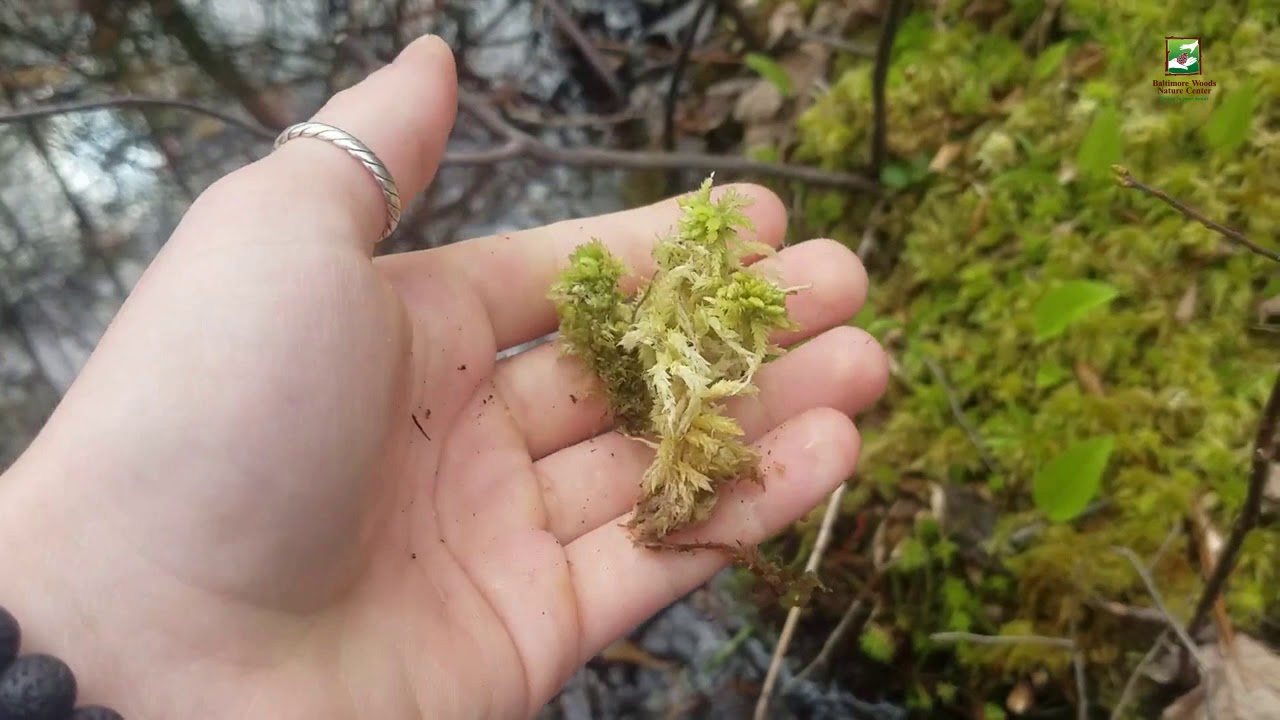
(1175, 366)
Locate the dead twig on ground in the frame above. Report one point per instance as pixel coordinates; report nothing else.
(1174, 625)
(958, 412)
(519, 143)
(1126, 693)
(1068, 644)
(793, 615)
(1082, 686)
(1125, 178)
(836, 43)
(838, 634)
(892, 14)
(569, 122)
(1266, 453)
(955, 637)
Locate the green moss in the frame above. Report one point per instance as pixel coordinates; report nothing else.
(669, 356)
(973, 248)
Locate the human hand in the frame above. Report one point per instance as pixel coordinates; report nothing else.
(234, 512)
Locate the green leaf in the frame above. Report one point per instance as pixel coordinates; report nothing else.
(1050, 60)
(1228, 126)
(1063, 487)
(770, 70)
(1102, 144)
(1050, 373)
(1067, 303)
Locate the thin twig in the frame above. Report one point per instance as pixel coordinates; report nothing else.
(1125, 178)
(580, 40)
(1057, 642)
(867, 244)
(523, 144)
(833, 640)
(68, 108)
(1174, 625)
(1082, 687)
(677, 77)
(884, 51)
(516, 144)
(836, 43)
(793, 615)
(1266, 452)
(1150, 616)
(1131, 684)
(961, 419)
(568, 122)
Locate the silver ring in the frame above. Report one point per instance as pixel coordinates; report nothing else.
(360, 152)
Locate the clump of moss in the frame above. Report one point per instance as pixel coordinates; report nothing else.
(672, 353)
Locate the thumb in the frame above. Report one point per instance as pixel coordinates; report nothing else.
(403, 113)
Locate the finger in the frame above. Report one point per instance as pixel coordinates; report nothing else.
(557, 402)
(618, 585)
(511, 273)
(403, 112)
(589, 484)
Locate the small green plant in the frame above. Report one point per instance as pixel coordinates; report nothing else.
(669, 355)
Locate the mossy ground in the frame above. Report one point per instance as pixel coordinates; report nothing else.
(1175, 368)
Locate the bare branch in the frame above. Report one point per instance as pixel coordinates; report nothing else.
(842, 628)
(793, 615)
(1082, 685)
(1132, 683)
(527, 145)
(836, 43)
(68, 108)
(1174, 625)
(1125, 178)
(892, 14)
(677, 75)
(1266, 453)
(517, 144)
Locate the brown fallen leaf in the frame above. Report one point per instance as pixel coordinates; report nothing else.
(1268, 309)
(1021, 698)
(1088, 377)
(788, 18)
(758, 104)
(1187, 305)
(1271, 492)
(1090, 59)
(945, 156)
(979, 216)
(1243, 684)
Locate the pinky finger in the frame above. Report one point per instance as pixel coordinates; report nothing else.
(619, 585)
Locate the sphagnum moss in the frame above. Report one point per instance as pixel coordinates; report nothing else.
(669, 356)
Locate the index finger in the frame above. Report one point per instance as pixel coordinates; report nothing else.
(511, 273)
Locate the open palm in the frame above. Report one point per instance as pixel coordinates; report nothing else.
(294, 481)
